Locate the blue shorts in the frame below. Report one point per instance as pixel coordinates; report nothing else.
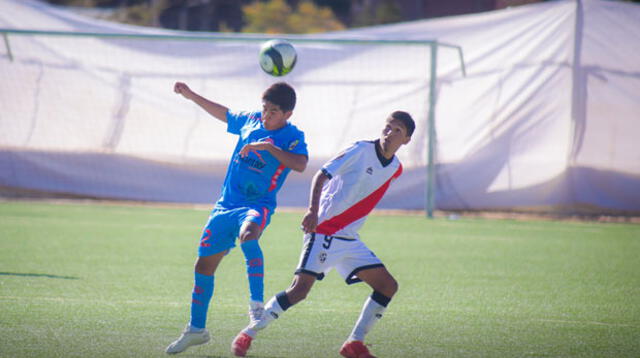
(224, 225)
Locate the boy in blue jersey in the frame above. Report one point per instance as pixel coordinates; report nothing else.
(268, 148)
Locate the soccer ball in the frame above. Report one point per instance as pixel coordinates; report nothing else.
(277, 57)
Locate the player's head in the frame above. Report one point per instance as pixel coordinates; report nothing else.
(397, 131)
(282, 95)
(278, 102)
(406, 120)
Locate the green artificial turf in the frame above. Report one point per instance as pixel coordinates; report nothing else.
(89, 280)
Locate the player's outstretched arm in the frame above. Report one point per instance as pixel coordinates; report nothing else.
(297, 162)
(310, 219)
(215, 109)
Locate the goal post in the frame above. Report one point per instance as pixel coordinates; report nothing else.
(329, 45)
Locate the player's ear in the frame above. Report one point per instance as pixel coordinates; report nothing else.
(407, 139)
(287, 114)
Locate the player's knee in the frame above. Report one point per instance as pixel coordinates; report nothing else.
(248, 235)
(203, 267)
(390, 287)
(393, 286)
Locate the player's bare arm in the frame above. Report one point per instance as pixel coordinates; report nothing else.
(297, 162)
(215, 109)
(310, 219)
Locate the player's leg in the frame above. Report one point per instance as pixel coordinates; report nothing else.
(311, 267)
(195, 333)
(204, 278)
(254, 260)
(384, 288)
(274, 308)
(215, 243)
(278, 304)
(252, 227)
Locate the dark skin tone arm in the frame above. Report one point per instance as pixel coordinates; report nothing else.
(297, 162)
(310, 219)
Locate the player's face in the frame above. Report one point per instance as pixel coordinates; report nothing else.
(273, 117)
(394, 135)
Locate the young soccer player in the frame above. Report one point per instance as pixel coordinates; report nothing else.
(268, 148)
(343, 193)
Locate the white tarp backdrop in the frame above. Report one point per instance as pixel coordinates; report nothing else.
(547, 117)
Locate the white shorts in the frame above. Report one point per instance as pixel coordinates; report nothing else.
(321, 253)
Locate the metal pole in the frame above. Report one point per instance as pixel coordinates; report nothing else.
(6, 44)
(432, 130)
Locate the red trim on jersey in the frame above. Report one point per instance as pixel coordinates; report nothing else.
(357, 211)
(274, 178)
(265, 212)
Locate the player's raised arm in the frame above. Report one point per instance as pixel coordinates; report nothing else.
(215, 109)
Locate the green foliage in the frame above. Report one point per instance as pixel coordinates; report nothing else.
(145, 14)
(80, 280)
(386, 12)
(276, 17)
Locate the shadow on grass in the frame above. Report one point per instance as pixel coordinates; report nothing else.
(37, 275)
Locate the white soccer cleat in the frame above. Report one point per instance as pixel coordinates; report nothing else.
(188, 339)
(256, 310)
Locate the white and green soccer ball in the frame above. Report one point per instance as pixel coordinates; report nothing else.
(277, 57)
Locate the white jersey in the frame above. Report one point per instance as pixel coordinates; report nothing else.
(359, 177)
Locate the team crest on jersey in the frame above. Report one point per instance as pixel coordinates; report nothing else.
(293, 144)
(322, 257)
(369, 170)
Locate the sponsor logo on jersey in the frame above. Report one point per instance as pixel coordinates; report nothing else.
(322, 257)
(253, 162)
(370, 171)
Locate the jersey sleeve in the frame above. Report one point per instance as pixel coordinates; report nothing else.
(297, 144)
(235, 121)
(341, 163)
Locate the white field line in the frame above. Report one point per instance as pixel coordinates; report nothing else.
(71, 300)
(92, 301)
(585, 322)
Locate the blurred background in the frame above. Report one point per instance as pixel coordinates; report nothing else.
(277, 16)
(545, 118)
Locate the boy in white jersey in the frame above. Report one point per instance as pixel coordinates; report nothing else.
(343, 193)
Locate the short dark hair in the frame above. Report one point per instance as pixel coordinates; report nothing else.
(282, 95)
(406, 119)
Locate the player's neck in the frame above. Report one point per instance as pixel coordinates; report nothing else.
(385, 158)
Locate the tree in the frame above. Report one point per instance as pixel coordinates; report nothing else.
(378, 13)
(277, 17)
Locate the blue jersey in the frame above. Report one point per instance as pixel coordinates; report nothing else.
(256, 178)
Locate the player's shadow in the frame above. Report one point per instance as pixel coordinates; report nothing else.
(21, 274)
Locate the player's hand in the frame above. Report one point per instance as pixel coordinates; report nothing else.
(183, 89)
(309, 222)
(252, 147)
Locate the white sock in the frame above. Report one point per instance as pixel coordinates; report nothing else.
(272, 310)
(370, 314)
(193, 329)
